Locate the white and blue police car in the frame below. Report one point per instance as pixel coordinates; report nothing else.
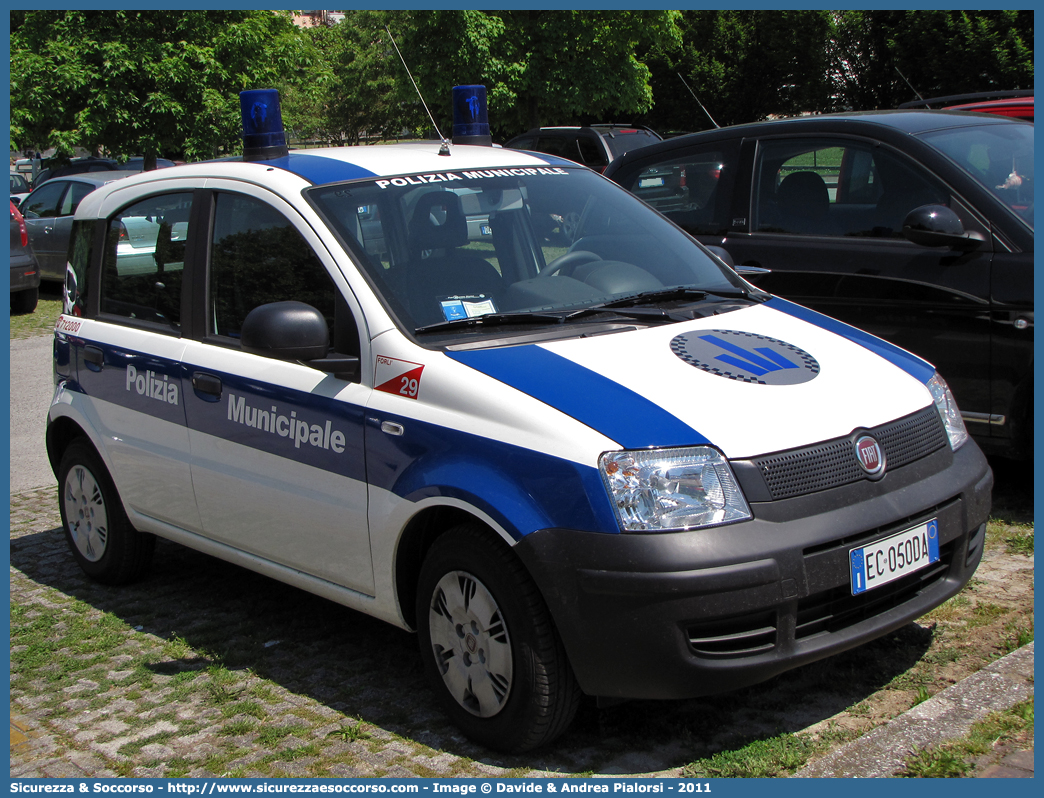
(492, 397)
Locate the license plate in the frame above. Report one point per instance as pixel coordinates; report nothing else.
(650, 182)
(896, 556)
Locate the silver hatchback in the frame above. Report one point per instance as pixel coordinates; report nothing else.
(48, 213)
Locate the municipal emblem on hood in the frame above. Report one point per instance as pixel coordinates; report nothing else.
(868, 453)
(746, 357)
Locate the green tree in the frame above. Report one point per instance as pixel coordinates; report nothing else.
(939, 52)
(146, 82)
(743, 66)
(539, 67)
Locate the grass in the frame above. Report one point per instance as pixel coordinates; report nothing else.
(953, 759)
(43, 318)
(352, 732)
(1018, 634)
(776, 756)
(1021, 540)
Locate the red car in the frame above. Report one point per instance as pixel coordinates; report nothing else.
(1018, 103)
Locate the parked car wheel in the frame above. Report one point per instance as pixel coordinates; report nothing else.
(24, 301)
(489, 647)
(101, 538)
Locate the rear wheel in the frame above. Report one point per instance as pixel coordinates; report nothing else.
(488, 644)
(99, 535)
(25, 301)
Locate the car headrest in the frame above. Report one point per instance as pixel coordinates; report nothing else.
(438, 222)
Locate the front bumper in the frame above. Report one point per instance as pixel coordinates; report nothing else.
(678, 615)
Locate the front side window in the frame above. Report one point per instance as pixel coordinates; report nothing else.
(257, 257)
(145, 260)
(43, 203)
(999, 156)
(838, 188)
(541, 241)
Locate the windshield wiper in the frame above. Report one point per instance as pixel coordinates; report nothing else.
(494, 320)
(659, 295)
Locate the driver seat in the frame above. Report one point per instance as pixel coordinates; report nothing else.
(438, 266)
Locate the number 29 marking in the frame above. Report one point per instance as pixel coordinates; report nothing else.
(409, 387)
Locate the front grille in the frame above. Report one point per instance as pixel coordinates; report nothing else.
(833, 463)
(736, 637)
(836, 609)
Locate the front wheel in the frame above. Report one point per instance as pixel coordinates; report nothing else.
(99, 535)
(489, 646)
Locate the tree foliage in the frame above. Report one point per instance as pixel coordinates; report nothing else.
(167, 82)
(940, 53)
(143, 82)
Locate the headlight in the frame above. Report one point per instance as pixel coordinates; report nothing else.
(659, 489)
(951, 416)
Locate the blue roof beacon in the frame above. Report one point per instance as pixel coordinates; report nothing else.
(470, 116)
(263, 135)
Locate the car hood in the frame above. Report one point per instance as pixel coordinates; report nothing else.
(762, 379)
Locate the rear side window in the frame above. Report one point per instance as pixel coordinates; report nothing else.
(689, 189)
(591, 153)
(81, 249)
(73, 197)
(145, 260)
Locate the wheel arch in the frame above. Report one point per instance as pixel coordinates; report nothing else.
(62, 431)
(417, 539)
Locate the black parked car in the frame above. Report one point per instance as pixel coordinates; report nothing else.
(916, 226)
(593, 145)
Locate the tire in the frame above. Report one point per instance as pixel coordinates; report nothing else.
(489, 646)
(23, 302)
(102, 540)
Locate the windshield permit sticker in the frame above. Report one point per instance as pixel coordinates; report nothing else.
(466, 307)
(745, 357)
(444, 177)
(400, 377)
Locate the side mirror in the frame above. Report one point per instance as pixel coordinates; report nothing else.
(285, 330)
(294, 331)
(938, 226)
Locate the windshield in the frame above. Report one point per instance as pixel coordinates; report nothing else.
(505, 243)
(999, 156)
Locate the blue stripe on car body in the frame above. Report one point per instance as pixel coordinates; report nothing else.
(910, 363)
(591, 398)
(319, 170)
(521, 489)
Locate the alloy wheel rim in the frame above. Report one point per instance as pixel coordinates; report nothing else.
(85, 514)
(471, 644)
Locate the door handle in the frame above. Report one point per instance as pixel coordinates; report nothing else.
(93, 357)
(206, 384)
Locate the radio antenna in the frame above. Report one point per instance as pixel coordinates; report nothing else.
(697, 99)
(908, 83)
(444, 149)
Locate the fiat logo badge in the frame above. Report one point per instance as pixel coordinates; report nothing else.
(869, 454)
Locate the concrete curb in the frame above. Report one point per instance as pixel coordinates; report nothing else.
(945, 716)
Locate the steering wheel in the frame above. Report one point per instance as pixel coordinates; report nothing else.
(566, 264)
